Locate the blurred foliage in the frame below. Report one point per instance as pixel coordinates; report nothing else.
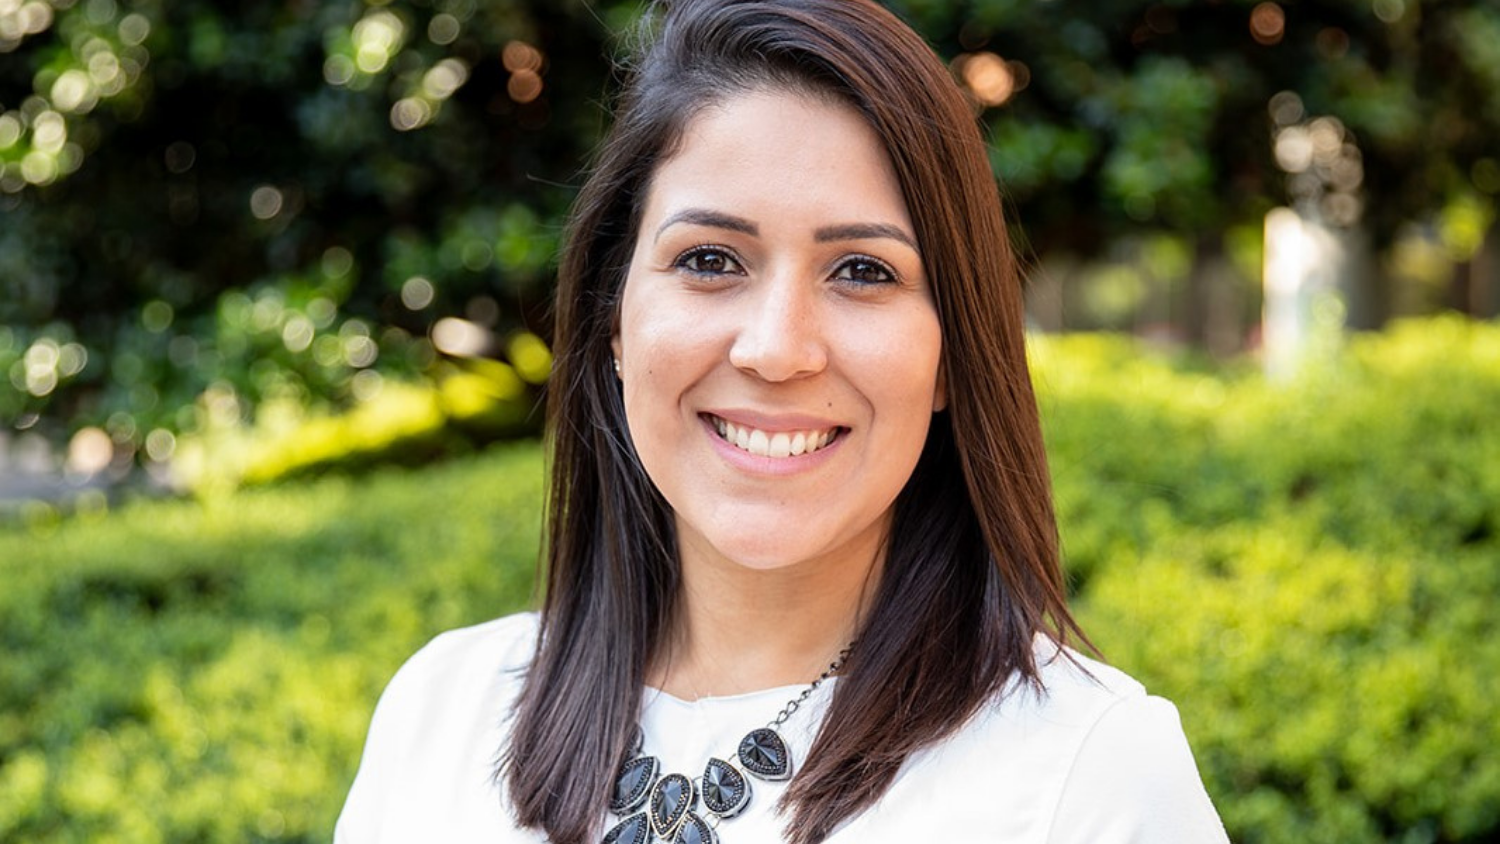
(212, 205)
(219, 662)
(1308, 572)
(1110, 116)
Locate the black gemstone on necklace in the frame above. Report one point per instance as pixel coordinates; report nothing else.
(671, 799)
(725, 791)
(695, 830)
(633, 830)
(764, 754)
(632, 784)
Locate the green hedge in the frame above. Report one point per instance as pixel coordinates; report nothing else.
(1308, 570)
(183, 671)
(1311, 571)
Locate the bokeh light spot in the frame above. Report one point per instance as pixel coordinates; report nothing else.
(417, 293)
(1389, 11)
(444, 78)
(10, 130)
(443, 29)
(987, 76)
(49, 132)
(366, 384)
(74, 91)
(156, 316)
(1268, 24)
(100, 12)
(338, 69)
(377, 37)
(298, 334)
(337, 262)
(39, 168)
(1286, 108)
(90, 451)
(160, 445)
(1332, 42)
(34, 17)
(134, 28)
(518, 56)
(360, 352)
(459, 337)
(266, 202)
(1294, 149)
(524, 86)
(410, 113)
(71, 359)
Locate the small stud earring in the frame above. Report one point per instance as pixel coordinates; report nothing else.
(617, 366)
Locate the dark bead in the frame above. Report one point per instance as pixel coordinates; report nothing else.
(632, 784)
(671, 799)
(633, 830)
(725, 791)
(764, 754)
(695, 830)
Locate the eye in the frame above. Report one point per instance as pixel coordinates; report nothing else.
(708, 260)
(864, 270)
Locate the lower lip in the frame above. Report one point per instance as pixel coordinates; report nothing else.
(757, 465)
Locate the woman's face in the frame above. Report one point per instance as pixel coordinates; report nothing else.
(778, 340)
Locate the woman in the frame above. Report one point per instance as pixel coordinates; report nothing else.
(803, 578)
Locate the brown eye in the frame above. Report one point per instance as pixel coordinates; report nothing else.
(707, 261)
(865, 271)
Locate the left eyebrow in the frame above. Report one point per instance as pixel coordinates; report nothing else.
(864, 231)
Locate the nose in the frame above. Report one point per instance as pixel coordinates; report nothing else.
(779, 336)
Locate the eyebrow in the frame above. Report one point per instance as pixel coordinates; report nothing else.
(712, 219)
(864, 231)
(826, 234)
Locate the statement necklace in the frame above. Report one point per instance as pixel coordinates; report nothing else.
(660, 807)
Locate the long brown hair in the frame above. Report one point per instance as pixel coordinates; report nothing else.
(971, 572)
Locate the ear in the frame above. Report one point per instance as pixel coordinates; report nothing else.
(940, 394)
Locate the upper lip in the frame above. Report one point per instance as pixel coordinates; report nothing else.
(773, 422)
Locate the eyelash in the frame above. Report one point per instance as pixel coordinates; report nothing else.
(701, 250)
(685, 260)
(891, 277)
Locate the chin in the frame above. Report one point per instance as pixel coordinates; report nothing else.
(758, 555)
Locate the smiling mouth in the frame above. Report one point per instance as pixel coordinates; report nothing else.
(767, 444)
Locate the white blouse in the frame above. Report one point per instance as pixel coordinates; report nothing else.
(1094, 760)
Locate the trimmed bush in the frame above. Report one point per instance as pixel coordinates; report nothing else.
(1307, 570)
(184, 671)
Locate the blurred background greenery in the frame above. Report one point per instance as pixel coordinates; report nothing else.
(274, 286)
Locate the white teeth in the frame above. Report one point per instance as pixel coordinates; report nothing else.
(759, 443)
(781, 444)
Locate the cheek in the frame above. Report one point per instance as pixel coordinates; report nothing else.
(898, 363)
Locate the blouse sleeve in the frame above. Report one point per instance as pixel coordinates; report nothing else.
(1134, 781)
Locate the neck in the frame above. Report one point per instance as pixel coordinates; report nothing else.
(740, 629)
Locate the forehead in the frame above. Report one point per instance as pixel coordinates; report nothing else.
(772, 149)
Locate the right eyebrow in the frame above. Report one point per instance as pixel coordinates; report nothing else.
(713, 219)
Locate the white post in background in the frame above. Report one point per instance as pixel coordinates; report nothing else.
(1303, 314)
